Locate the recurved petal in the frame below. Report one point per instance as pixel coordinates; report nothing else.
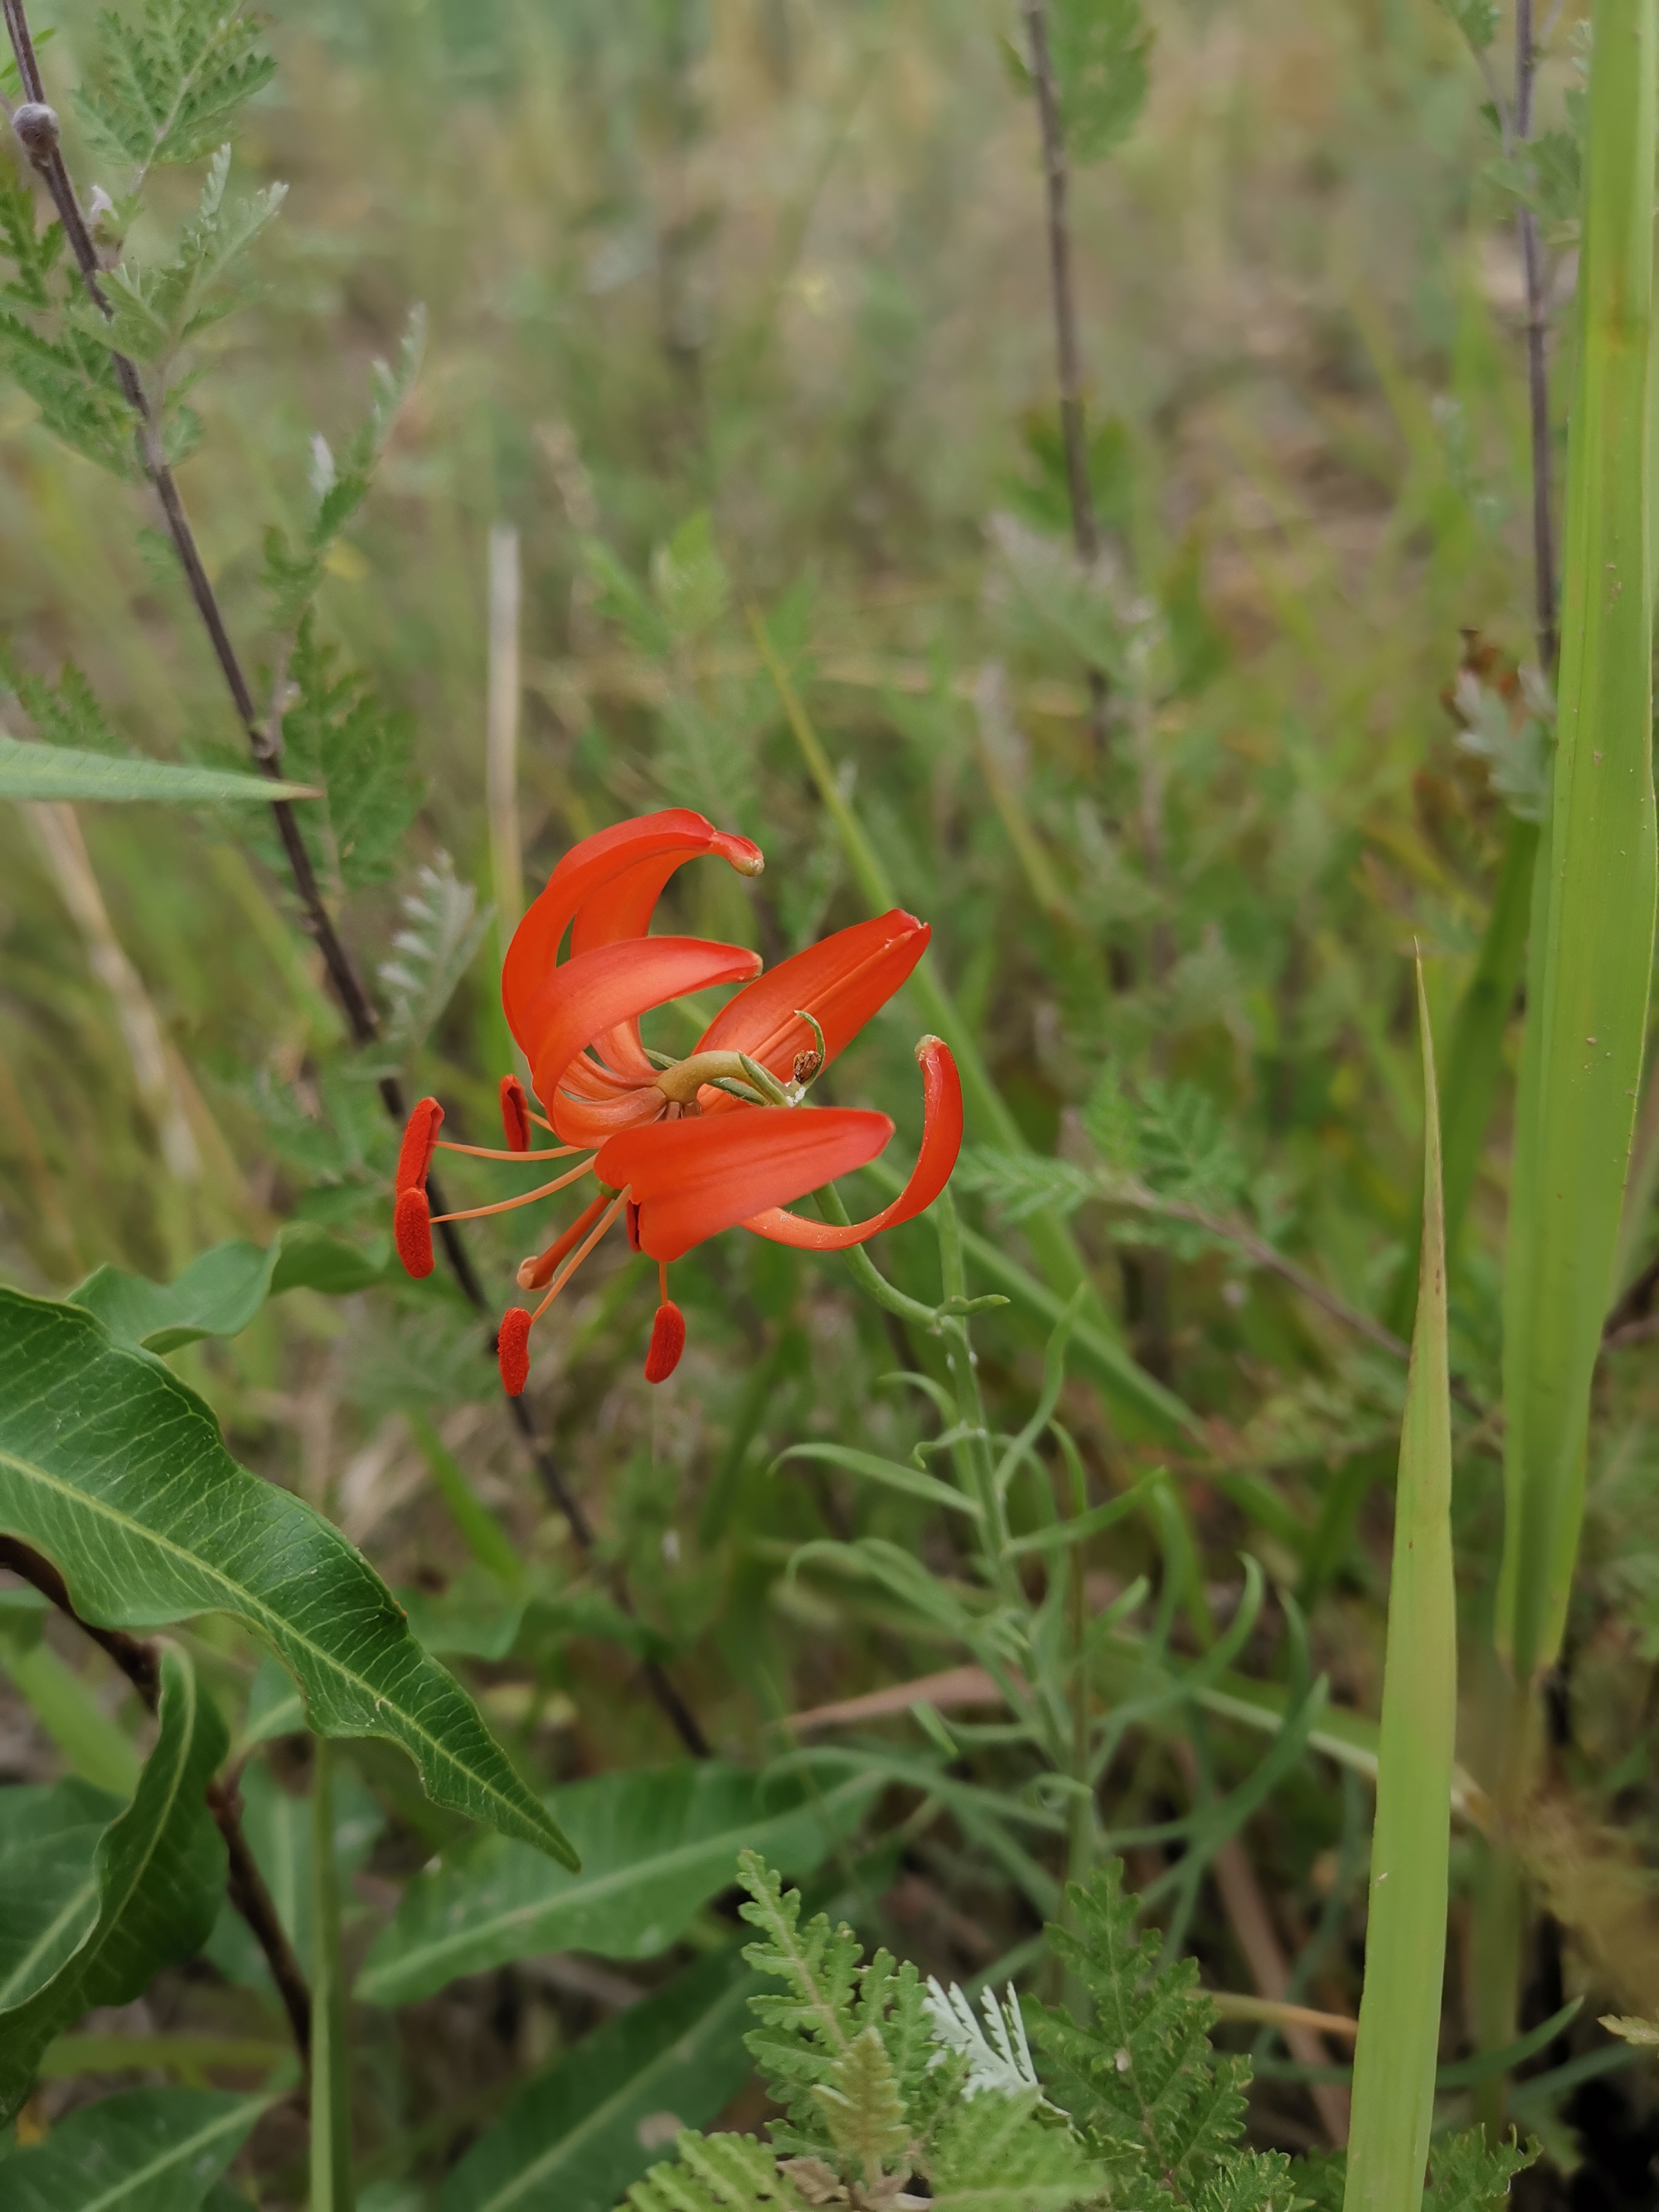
(941, 1141)
(593, 992)
(841, 982)
(689, 1179)
(607, 886)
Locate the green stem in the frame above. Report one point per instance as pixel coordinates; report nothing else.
(330, 2083)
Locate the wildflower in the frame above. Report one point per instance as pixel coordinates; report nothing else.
(680, 1150)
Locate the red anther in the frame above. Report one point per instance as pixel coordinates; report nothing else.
(515, 1114)
(420, 1140)
(512, 1350)
(667, 1342)
(411, 1231)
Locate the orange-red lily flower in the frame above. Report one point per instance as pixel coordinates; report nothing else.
(681, 1149)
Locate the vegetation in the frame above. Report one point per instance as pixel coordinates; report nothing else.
(1143, 519)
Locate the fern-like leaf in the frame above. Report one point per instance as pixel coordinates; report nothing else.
(994, 2155)
(806, 2028)
(442, 931)
(337, 734)
(997, 2054)
(717, 2173)
(1141, 2072)
(167, 87)
(863, 2109)
(1467, 2174)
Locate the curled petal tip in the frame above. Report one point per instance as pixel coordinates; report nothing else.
(515, 1114)
(420, 1141)
(512, 1351)
(667, 1342)
(929, 1044)
(411, 1231)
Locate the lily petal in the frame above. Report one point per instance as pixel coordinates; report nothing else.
(607, 886)
(593, 992)
(842, 982)
(941, 1140)
(689, 1179)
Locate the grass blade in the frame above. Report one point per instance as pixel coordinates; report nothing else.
(1592, 931)
(1406, 1935)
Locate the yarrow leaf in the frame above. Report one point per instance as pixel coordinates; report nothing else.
(442, 930)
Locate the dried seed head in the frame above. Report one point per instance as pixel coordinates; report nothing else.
(512, 1351)
(36, 126)
(667, 1342)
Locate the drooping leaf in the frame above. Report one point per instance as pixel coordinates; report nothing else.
(655, 1847)
(222, 1289)
(117, 1472)
(157, 1875)
(35, 771)
(145, 2150)
(575, 2137)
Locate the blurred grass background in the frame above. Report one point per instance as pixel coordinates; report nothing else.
(753, 296)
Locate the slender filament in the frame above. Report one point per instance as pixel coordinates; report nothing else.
(525, 1197)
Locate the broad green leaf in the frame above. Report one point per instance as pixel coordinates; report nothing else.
(655, 1846)
(35, 771)
(118, 1472)
(1405, 1930)
(145, 2150)
(221, 1290)
(48, 1837)
(157, 1874)
(574, 2138)
(278, 1828)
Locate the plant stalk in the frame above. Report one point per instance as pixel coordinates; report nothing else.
(1056, 176)
(331, 2068)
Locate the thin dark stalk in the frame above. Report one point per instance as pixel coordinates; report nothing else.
(140, 1663)
(1086, 527)
(1538, 390)
(37, 128)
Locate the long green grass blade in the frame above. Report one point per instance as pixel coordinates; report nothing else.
(1591, 955)
(37, 772)
(330, 2070)
(1406, 1935)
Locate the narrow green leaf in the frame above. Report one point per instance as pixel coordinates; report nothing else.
(145, 2150)
(1591, 955)
(574, 2138)
(158, 1871)
(481, 1533)
(1406, 1936)
(36, 771)
(891, 1472)
(117, 1472)
(655, 1847)
(222, 1289)
(92, 1744)
(330, 2063)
